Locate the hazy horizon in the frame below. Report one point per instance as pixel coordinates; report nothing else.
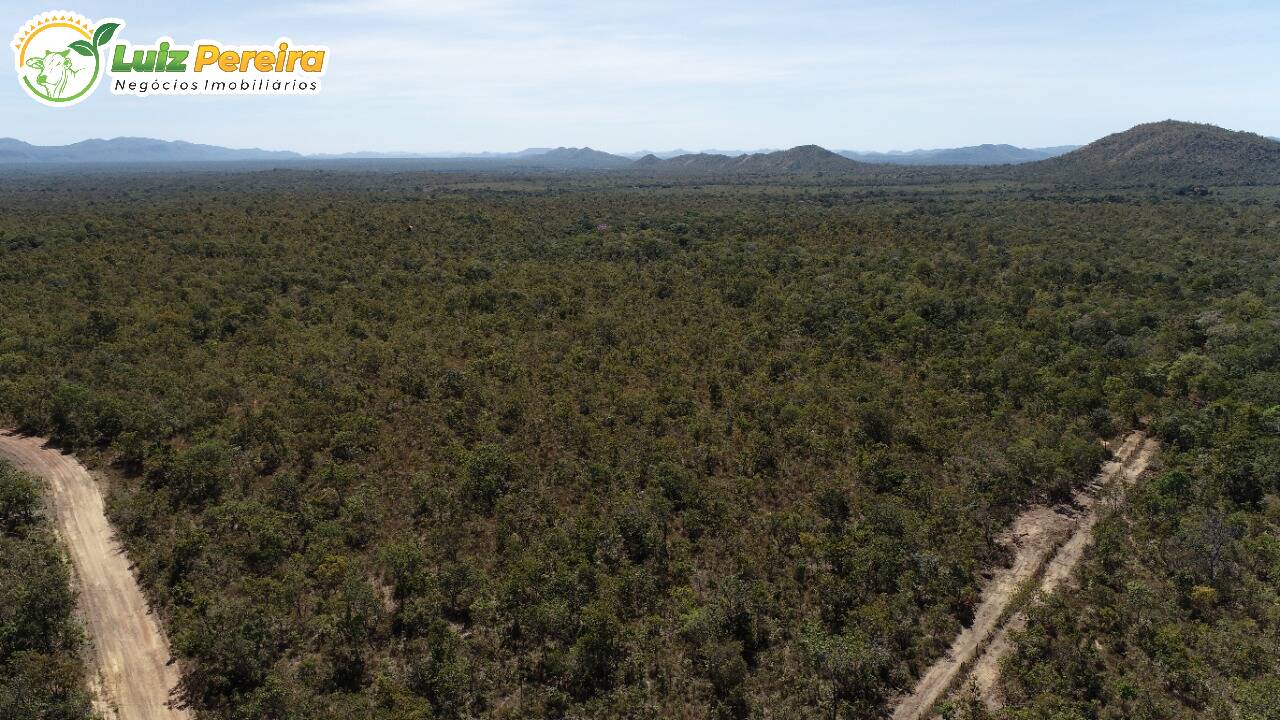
(444, 154)
(489, 151)
(502, 76)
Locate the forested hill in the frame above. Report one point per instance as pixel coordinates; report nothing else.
(1168, 152)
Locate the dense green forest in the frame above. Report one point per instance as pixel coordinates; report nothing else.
(422, 445)
(42, 670)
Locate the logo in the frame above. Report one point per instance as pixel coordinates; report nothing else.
(61, 58)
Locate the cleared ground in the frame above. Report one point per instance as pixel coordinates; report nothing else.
(134, 678)
(1034, 536)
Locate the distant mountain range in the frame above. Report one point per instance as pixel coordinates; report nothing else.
(972, 155)
(668, 154)
(396, 155)
(149, 150)
(1164, 153)
(128, 149)
(805, 158)
(811, 158)
(558, 155)
(1155, 153)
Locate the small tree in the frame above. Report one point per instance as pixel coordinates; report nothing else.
(19, 498)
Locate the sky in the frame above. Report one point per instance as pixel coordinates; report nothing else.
(501, 75)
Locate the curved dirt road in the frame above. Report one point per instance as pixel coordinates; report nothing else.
(130, 654)
(1035, 534)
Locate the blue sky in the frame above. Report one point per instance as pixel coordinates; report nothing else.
(469, 75)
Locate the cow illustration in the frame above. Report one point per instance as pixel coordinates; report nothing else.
(55, 71)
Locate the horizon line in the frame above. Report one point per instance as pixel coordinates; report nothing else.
(445, 154)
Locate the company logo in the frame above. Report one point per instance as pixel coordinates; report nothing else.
(61, 57)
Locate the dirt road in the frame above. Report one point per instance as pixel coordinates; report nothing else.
(1034, 536)
(130, 654)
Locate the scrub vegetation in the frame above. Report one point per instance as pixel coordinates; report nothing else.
(42, 669)
(431, 445)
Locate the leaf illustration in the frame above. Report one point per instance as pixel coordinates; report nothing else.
(103, 34)
(82, 47)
